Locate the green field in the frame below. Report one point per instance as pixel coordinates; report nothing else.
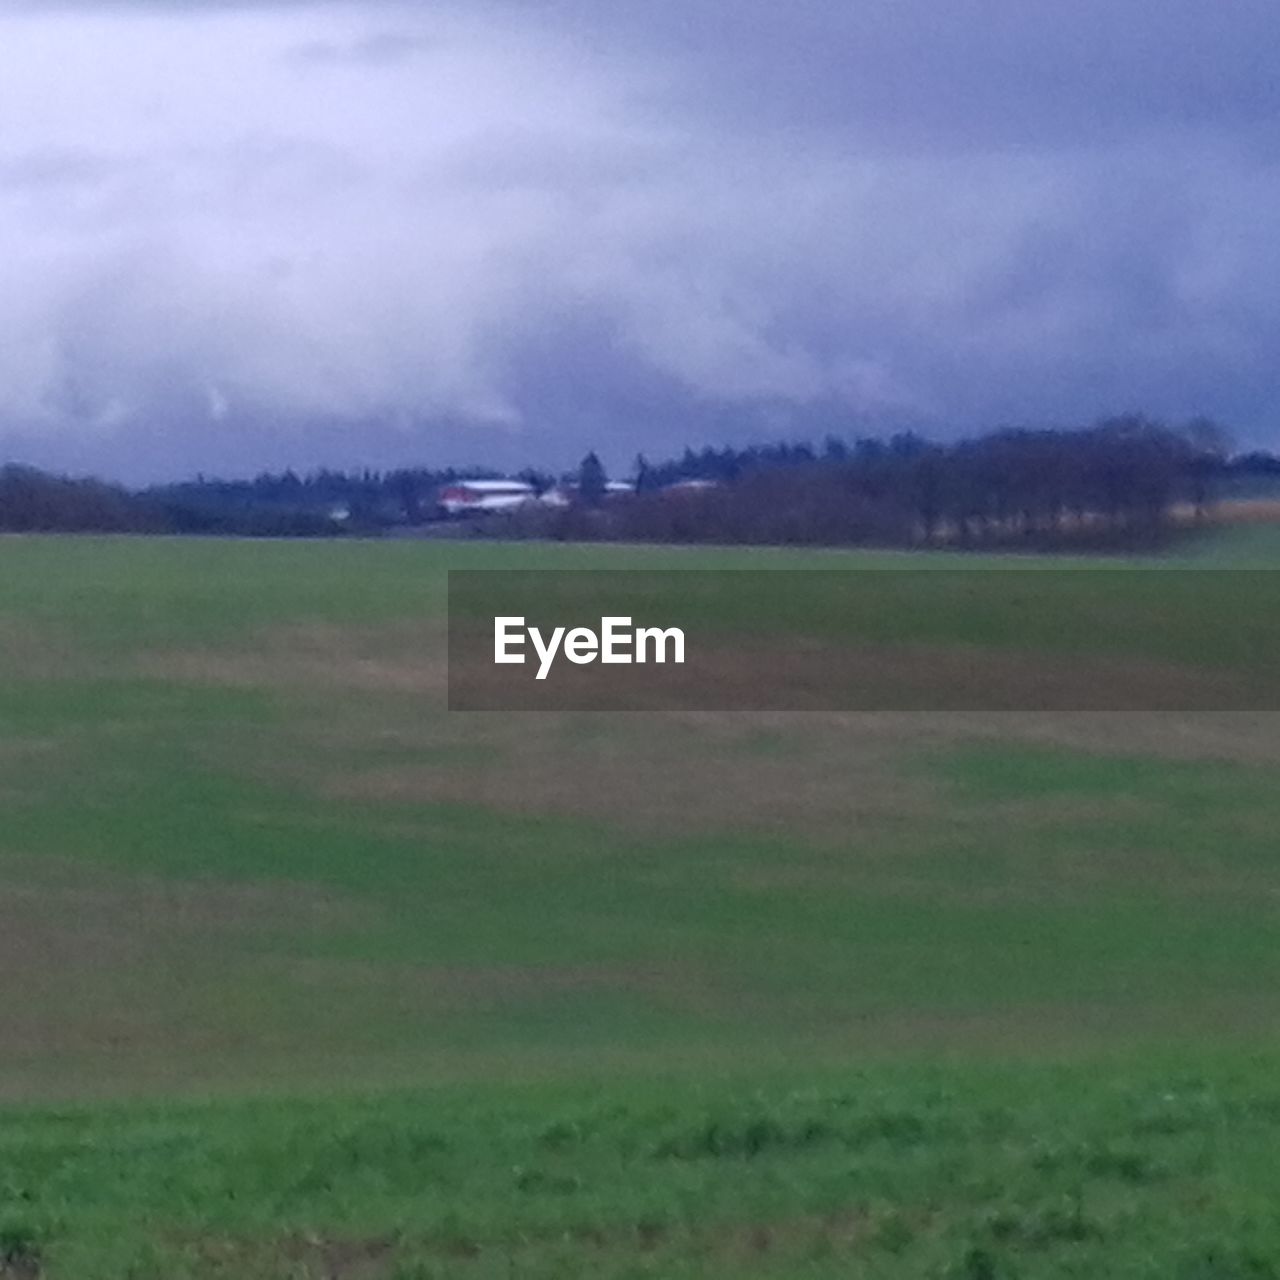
(301, 975)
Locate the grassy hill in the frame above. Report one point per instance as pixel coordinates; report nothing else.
(301, 975)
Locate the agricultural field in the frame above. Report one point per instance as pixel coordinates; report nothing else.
(302, 975)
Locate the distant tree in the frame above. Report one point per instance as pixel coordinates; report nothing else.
(1208, 436)
(1210, 444)
(591, 481)
(540, 480)
(405, 485)
(646, 479)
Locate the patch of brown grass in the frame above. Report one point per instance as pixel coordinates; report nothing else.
(417, 991)
(657, 773)
(312, 1256)
(34, 652)
(92, 964)
(395, 658)
(1238, 511)
(822, 774)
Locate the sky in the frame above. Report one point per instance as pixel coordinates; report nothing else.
(237, 236)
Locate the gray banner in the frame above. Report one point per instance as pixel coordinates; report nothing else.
(1033, 638)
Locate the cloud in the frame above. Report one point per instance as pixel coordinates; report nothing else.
(263, 233)
(376, 49)
(962, 75)
(56, 167)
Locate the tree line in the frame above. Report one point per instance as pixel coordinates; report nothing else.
(32, 501)
(1120, 482)
(323, 503)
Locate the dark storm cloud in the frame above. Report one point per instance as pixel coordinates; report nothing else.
(963, 72)
(252, 233)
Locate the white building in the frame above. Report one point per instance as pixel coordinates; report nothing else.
(477, 497)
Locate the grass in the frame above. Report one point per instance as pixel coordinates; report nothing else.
(1149, 1170)
(301, 975)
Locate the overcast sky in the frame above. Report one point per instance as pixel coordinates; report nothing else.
(266, 234)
